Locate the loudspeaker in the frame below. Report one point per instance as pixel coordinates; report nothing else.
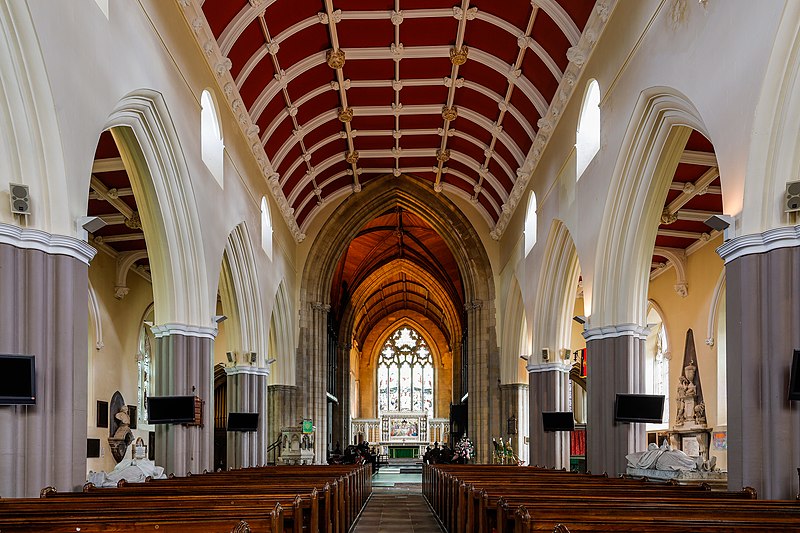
(545, 354)
(792, 198)
(20, 199)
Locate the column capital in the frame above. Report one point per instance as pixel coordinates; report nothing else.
(473, 304)
(619, 330)
(246, 369)
(759, 243)
(165, 330)
(49, 243)
(537, 368)
(319, 306)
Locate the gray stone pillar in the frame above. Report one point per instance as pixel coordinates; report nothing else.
(549, 391)
(282, 409)
(514, 402)
(44, 300)
(183, 366)
(615, 364)
(763, 314)
(247, 393)
(312, 377)
(483, 367)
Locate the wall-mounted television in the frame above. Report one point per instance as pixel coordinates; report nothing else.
(17, 380)
(558, 421)
(794, 378)
(639, 408)
(171, 409)
(242, 421)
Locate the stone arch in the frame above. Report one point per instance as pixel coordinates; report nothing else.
(516, 335)
(774, 156)
(555, 296)
(281, 339)
(476, 273)
(240, 293)
(151, 152)
(662, 121)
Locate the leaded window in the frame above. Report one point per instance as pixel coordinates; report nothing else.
(405, 373)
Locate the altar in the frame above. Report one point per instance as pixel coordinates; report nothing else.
(402, 433)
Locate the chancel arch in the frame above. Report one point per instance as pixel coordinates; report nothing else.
(321, 295)
(514, 389)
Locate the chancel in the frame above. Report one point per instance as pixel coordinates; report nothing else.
(397, 236)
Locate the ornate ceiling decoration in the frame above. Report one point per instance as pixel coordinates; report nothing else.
(331, 95)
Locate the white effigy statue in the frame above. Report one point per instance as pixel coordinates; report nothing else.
(133, 470)
(662, 458)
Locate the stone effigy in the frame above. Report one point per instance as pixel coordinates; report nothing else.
(665, 462)
(134, 470)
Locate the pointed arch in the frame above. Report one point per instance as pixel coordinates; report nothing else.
(516, 337)
(555, 301)
(151, 152)
(239, 290)
(531, 223)
(266, 228)
(282, 339)
(650, 152)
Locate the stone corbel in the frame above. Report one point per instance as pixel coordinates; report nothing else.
(125, 261)
(677, 259)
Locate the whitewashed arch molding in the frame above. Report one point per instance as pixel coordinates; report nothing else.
(151, 152)
(125, 262)
(27, 114)
(94, 318)
(516, 341)
(283, 334)
(714, 309)
(243, 294)
(555, 295)
(662, 122)
(677, 259)
(774, 156)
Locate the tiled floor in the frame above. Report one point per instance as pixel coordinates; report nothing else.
(397, 505)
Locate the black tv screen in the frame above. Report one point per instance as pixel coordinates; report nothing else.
(170, 409)
(17, 380)
(242, 421)
(794, 378)
(558, 421)
(639, 408)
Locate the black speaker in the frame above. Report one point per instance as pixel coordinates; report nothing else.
(92, 448)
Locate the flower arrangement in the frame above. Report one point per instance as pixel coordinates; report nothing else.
(464, 449)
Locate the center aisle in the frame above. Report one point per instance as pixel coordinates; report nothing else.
(397, 504)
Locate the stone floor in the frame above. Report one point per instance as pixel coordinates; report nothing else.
(397, 505)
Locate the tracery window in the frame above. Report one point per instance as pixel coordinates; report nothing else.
(144, 371)
(405, 373)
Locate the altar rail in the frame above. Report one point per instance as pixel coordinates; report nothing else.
(379, 430)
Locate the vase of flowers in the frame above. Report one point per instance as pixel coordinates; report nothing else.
(464, 451)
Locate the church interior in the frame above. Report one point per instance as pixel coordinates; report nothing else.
(404, 223)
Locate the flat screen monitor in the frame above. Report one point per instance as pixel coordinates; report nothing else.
(794, 378)
(17, 380)
(170, 409)
(242, 421)
(639, 408)
(558, 421)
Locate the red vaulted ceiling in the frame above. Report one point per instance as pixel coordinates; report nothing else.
(400, 59)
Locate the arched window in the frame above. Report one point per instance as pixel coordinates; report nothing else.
(657, 363)
(211, 136)
(266, 228)
(144, 367)
(587, 138)
(405, 373)
(530, 224)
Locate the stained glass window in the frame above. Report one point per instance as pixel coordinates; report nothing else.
(405, 373)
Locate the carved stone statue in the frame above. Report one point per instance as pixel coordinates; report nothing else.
(120, 434)
(691, 408)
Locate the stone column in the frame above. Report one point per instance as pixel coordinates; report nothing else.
(312, 377)
(615, 364)
(282, 409)
(549, 391)
(763, 313)
(44, 300)
(247, 393)
(514, 402)
(183, 366)
(483, 370)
